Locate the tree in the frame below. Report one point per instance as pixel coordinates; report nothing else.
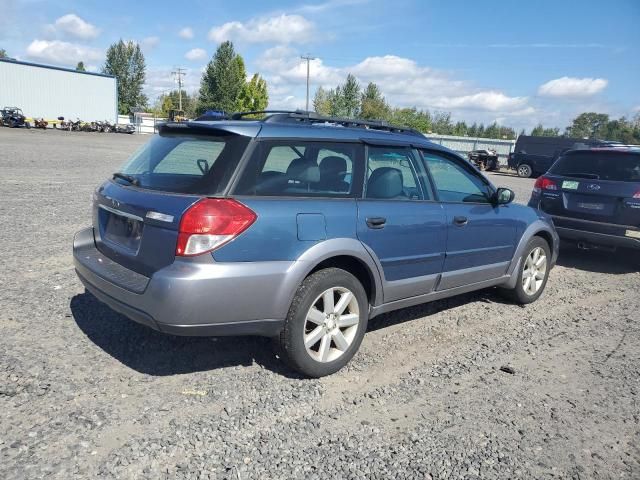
(351, 97)
(322, 102)
(223, 80)
(80, 67)
(373, 106)
(3, 53)
(126, 62)
(589, 125)
(442, 123)
(254, 95)
(460, 129)
(540, 131)
(413, 118)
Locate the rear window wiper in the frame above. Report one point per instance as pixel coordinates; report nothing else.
(128, 178)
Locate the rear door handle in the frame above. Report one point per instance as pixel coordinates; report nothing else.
(460, 221)
(376, 222)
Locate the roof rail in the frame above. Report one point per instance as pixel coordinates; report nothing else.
(303, 116)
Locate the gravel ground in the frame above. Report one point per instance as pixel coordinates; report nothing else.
(86, 393)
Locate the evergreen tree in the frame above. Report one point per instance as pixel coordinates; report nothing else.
(373, 105)
(351, 97)
(126, 62)
(80, 67)
(223, 81)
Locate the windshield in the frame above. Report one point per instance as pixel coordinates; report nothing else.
(617, 166)
(183, 163)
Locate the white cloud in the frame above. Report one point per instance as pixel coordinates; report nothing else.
(56, 51)
(491, 100)
(149, 43)
(329, 5)
(282, 29)
(75, 26)
(403, 81)
(196, 54)
(572, 87)
(186, 33)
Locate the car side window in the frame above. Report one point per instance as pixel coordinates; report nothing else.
(454, 182)
(300, 169)
(392, 174)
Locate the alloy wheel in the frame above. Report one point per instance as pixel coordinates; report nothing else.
(535, 269)
(524, 171)
(331, 324)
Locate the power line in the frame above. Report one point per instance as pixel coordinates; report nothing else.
(178, 73)
(308, 58)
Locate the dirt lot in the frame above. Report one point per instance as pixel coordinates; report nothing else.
(86, 393)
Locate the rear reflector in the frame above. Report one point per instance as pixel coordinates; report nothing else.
(210, 223)
(544, 183)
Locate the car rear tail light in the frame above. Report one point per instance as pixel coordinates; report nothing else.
(544, 183)
(210, 223)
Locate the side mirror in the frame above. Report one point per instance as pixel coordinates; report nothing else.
(504, 196)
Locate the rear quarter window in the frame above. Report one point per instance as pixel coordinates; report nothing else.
(614, 166)
(301, 169)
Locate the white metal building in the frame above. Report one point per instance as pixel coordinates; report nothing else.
(50, 92)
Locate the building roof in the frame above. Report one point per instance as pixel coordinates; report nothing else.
(53, 67)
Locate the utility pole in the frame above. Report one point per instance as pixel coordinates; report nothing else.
(308, 58)
(178, 73)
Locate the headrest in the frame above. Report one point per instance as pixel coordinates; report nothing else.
(385, 182)
(333, 166)
(303, 170)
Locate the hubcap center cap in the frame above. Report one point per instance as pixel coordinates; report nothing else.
(331, 322)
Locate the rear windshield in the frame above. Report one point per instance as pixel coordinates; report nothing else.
(194, 164)
(617, 166)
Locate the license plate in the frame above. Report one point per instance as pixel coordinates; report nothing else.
(591, 206)
(632, 233)
(570, 185)
(124, 231)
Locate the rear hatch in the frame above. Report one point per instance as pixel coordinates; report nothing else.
(595, 190)
(136, 214)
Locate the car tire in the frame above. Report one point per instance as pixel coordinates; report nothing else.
(524, 170)
(325, 324)
(533, 272)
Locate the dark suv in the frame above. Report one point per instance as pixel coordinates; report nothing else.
(593, 196)
(302, 228)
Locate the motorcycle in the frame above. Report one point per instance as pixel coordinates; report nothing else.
(40, 123)
(62, 124)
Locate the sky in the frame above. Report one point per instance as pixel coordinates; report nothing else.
(515, 62)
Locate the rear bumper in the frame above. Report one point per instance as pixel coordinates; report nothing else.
(194, 296)
(597, 238)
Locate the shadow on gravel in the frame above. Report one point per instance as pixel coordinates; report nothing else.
(489, 295)
(618, 262)
(154, 353)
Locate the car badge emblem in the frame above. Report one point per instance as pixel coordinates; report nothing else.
(593, 186)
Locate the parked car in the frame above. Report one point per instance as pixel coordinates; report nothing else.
(13, 117)
(593, 196)
(302, 228)
(532, 156)
(484, 159)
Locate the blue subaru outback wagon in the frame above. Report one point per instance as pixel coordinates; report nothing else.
(302, 228)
